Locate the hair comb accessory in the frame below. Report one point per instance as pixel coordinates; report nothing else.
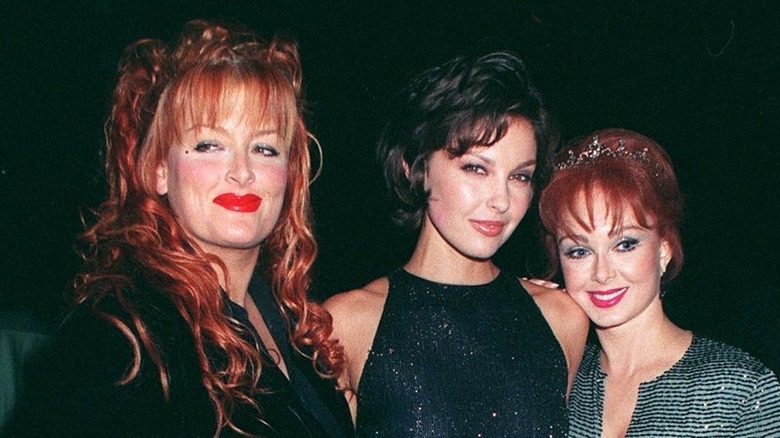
(596, 150)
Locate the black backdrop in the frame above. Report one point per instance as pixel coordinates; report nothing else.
(700, 77)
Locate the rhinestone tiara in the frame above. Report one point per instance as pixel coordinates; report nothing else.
(596, 150)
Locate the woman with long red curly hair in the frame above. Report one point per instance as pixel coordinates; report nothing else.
(191, 316)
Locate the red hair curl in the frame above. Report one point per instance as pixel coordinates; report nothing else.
(159, 88)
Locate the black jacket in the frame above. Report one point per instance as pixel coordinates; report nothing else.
(75, 392)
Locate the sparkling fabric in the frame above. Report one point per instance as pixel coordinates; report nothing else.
(714, 390)
(462, 361)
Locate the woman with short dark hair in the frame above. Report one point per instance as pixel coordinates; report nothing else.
(449, 344)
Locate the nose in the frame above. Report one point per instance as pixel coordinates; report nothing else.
(602, 271)
(240, 170)
(499, 199)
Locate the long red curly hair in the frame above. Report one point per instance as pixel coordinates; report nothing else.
(159, 87)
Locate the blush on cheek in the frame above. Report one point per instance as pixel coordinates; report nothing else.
(436, 210)
(197, 171)
(275, 177)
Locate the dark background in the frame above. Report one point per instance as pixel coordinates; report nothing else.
(700, 77)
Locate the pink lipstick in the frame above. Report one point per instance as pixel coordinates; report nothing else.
(239, 204)
(608, 298)
(488, 228)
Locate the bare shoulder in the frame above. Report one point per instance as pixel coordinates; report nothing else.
(554, 299)
(358, 303)
(559, 309)
(356, 314)
(566, 319)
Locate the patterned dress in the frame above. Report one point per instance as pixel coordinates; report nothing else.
(714, 390)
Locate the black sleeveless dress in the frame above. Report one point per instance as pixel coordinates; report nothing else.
(453, 361)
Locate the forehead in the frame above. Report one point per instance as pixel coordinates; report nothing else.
(220, 99)
(234, 103)
(517, 146)
(593, 210)
(233, 123)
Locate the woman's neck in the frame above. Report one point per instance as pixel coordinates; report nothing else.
(647, 346)
(435, 260)
(240, 266)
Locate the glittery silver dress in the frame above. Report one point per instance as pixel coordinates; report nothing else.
(714, 390)
(456, 361)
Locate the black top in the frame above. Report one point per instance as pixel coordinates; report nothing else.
(453, 360)
(77, 395)
(23, 335)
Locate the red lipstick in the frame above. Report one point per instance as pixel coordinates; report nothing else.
(488, 228)
(239, 204)
(607, 298)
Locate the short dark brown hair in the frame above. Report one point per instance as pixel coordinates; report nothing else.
(465, 102)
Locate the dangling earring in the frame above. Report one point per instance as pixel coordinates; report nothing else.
(321, 158)
(663, 271)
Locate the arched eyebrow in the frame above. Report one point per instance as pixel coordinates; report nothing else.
(223, 131)
(622, 229)
(576, 238)
(492, 162)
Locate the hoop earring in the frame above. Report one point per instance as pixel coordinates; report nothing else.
(321, 160)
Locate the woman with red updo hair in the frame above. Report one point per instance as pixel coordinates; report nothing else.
(611, 212)
(191, 317)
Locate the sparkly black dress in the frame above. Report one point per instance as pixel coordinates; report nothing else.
(452, 361)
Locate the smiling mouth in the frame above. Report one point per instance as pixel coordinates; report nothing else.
(605, 299)
(488, 228)
(239, 204)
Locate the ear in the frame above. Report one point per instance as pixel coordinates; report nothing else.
(405, 166)
(665, 255)
(161, 178)
(408, 171)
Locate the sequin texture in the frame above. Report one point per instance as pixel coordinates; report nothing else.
(464, 361)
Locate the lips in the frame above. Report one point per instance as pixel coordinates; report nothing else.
(239, 204)
(489, 228)
(609, 298)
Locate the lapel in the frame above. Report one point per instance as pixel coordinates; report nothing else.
(318, 395)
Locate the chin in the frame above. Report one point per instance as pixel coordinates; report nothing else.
(241, 243)
(480, 256)
(607, 323)
(483, 252)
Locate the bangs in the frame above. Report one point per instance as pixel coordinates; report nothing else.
(483, 132)
(210, 93)
(572, 195)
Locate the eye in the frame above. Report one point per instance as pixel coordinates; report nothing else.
(575, 253)
(265, 150)
(474, 168)
(627, 244)
(522, 177)
(207, 146)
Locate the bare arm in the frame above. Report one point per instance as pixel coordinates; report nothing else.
(567, 320)
(356, 315)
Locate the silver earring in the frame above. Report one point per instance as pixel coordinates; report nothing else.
(321, 155)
